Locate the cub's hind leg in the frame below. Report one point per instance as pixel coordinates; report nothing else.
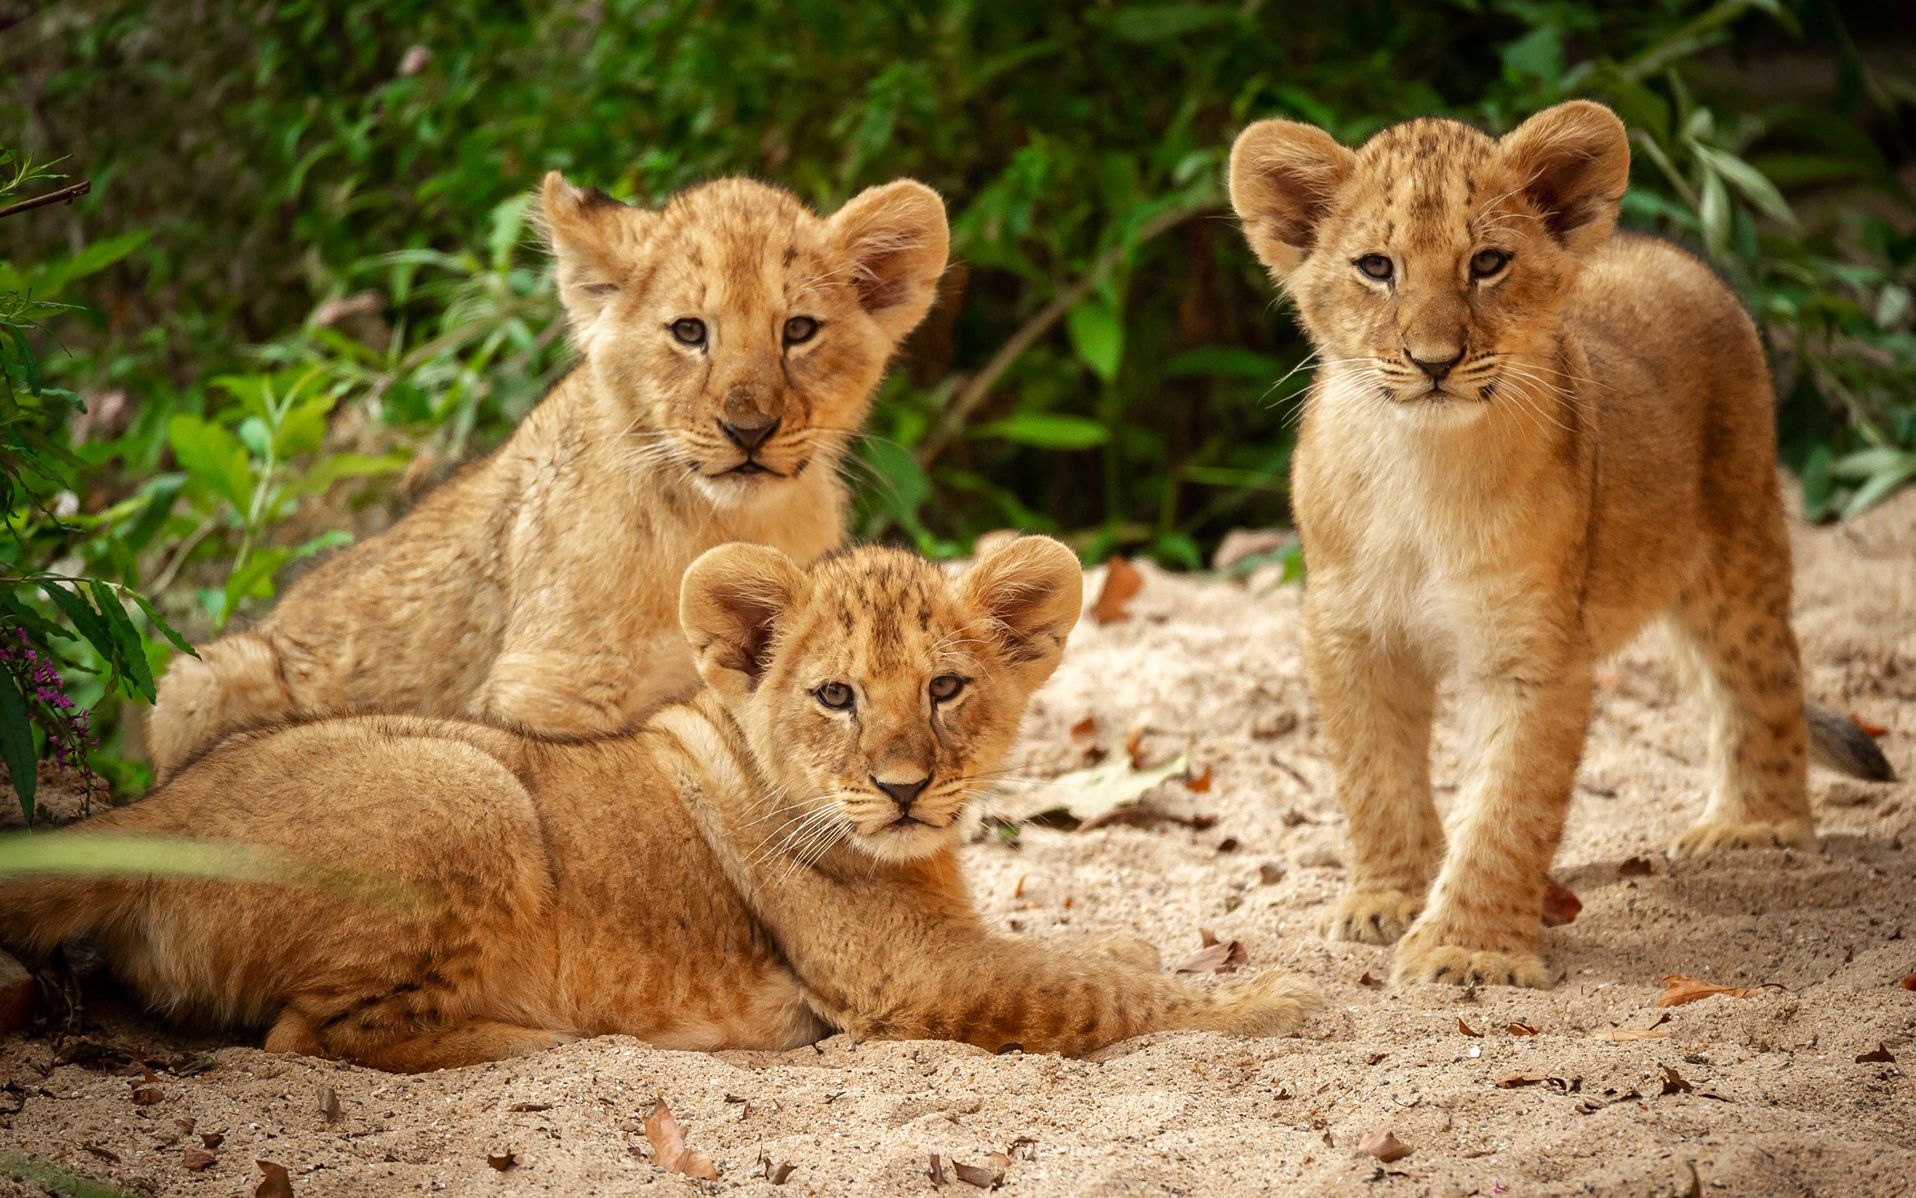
(1735, 618)
(1375, 705)
(381, 1038)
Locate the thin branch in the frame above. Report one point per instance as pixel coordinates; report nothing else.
(52, 197)
(978, 387)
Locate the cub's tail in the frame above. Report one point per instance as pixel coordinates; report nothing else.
(235, 682)
(1837, 742)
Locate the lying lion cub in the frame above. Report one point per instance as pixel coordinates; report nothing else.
(731, 342)
(1527, 438)
(753, 868)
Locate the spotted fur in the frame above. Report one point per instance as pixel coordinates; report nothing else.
(731, 875)
(1529, 439)
(538, 587)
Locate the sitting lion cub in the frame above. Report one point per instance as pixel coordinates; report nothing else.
(750, 869)
(731, 342)
(1528, 437)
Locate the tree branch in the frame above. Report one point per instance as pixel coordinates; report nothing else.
(52, 197)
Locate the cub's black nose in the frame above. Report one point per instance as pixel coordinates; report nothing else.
(1437, 370)
(902, 793)
(749, 436)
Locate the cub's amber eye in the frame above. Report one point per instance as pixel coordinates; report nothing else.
(1375, 266)
(946, 686)
(835, 695)
(689, 331)
(1485, 263)
(800, 329)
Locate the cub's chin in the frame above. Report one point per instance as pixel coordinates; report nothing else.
(905, 840)
(1438, 410)
(741, 487)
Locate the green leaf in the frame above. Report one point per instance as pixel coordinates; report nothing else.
(16, 742)
(165, 629)
(87, 622)
(1161, 22)
(1714, 215)
(1751, 183)
(1223, 361)
(213, 456)
(129, 652)
(1098, 337)
(1046, 430)
(1880, 486)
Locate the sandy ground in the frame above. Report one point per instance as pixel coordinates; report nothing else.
(1763, 1094)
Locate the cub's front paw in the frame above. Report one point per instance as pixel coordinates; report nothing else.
(1372, 916)
(1709, 836)
(1425, 957)
(1270, 1004)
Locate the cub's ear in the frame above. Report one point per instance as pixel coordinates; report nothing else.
(1573, 162)
(593, 239)
(897, 240)
(1284, 177)
(1030, 590)
(730, 601)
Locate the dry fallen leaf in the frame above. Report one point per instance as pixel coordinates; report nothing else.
(1240, 544)
(1673, 1082)
(1873, 731)
(1517, 1081)
(1121, 582)
(1201, 783)
(1635, 867)
(1466, 1029)
(328, 1104)
(1681, 988)
(668, 1146)
(1909, 981)
(1627, 1035)
(212, 1139)
(502, 1160)
(1881, 1056)
(937, 1173)
(1368, 980)
(1216, 956)
(529, 1106)
(1384, 1145)
(275, 1184)
(988, 1176)
(1085, 729)
(1521, 1029)
(148, 1095)
(1089, 796)
(197, 1159)
(1270, 873)
(1560, 906)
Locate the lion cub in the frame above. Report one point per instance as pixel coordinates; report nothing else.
(1528, 436)
(753, 868)
(730, 344)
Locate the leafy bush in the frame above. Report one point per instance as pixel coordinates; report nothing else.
(307, 271)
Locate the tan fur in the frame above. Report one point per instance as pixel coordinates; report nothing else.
(728, 876)
(538, 587)
(1604, 454)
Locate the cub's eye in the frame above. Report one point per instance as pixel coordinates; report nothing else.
(1375, 266)
(688, 330)
(800, 329)
(1485, 263)
(946, 686)
(835, 695)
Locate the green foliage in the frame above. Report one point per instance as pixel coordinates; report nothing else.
(305, 264)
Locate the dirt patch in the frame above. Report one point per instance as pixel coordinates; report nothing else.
(1803, 1086)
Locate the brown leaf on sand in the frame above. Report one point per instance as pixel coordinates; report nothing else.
(1873, 731)
(1630, 1035)
(1368, 980)
(668, 1146)
(1134, 743)
(1882, 1056)
(1909, 981)
(1201, 783)
(1560, 906)
(1384, 1145)
(148, 1095)
(1680, 988)
(1085, 728)
(328, 1104)
(1467, 1030)
(1216, 956)
(275, 1184)
(1521, 1029)
(212, 1139)
(1121, 582)
(1636, 867)
(988, 1176)
(1674, 1082)
(937, 1173)
(197, 1159)
(502, 1160)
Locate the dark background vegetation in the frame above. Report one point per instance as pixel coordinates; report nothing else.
(302, 282)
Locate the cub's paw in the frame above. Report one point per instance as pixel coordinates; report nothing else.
(1709, 836)
(1422, 958)
(1270, 1004)
(1372, 916)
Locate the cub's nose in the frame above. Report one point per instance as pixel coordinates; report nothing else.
(1434, 368)
(749, 434)
(902, 793)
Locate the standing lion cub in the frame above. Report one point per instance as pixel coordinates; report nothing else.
(1528, 437)
(750, 869)
(731, 342)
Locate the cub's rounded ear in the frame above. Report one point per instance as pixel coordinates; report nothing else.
(1284, 177)
(1573, 162)
(1030, 591)
(897, 240)
(730, 602)
(593, 238)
